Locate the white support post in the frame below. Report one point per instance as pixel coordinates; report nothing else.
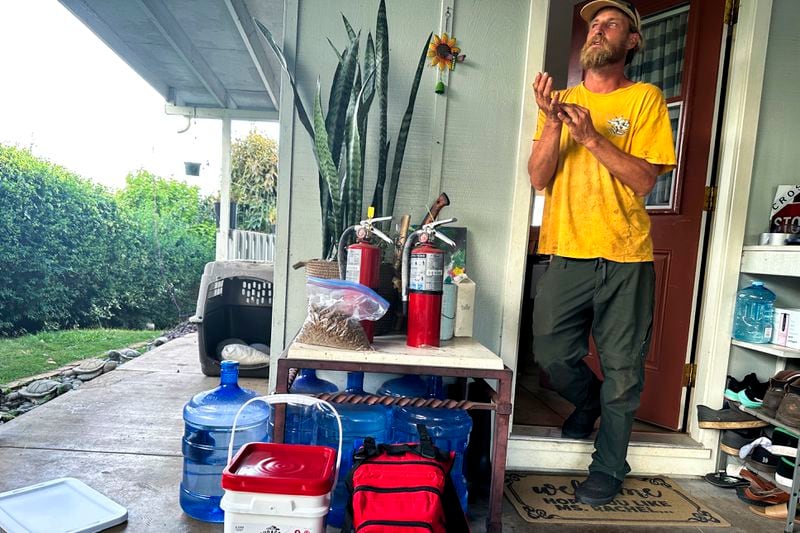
(224, 192)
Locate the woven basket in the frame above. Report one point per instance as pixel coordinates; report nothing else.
(322, 269)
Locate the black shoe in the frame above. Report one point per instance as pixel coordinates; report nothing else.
(580, 424)
(598, 489)
(734, 385)
(733, 439)
(726, 419)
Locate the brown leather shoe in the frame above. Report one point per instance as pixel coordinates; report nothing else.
(789, 410)
(771, 497)
(777, 390)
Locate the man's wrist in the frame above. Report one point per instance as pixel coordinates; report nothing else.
(552, 123)
(592, 142)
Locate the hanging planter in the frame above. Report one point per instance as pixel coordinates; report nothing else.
(191, 168)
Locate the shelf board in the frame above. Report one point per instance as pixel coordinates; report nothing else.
(761, 416)
(772, 349)
(772, 260)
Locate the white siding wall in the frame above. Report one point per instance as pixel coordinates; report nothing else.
(480, 147)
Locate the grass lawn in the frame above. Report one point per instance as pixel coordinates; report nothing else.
(33, 354)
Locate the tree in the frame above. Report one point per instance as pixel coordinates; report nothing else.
(171, 239)
(74, 254)
(56, 235)
(254, 181)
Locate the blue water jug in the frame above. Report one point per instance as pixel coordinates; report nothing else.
(208, 419)
(355, 383)
(410, 385)
(755, 306)
(300, 425)
(358, 422)
(449, 429)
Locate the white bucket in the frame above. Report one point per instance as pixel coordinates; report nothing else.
(279, 487)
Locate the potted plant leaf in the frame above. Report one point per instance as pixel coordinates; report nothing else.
(339, 136)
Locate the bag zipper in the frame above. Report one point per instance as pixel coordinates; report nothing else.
(371, 488)
(422, 525)
(404, 463)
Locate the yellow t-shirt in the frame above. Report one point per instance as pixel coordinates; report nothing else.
(589, 213)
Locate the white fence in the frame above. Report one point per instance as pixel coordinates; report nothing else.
(251, 246)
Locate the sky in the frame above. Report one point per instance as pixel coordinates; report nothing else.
(71, 100)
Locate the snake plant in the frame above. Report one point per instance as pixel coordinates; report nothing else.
(339, 137)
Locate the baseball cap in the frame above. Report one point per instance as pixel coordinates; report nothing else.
(590, 10)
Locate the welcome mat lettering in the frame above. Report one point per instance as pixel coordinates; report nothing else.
(642, 501)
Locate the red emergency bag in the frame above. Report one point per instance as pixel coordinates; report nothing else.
(403, 488)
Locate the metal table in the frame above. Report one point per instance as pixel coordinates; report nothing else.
(462, 357)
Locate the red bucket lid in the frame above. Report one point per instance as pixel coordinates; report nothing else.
(295, 469)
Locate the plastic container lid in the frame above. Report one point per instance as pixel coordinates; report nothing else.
(64, 505)
(294, 469)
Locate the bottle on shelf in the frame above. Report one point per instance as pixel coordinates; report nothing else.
(358, 422)
(300, 425)
(449, 429)
(753, 317)
(208, 422)
(355, 383)
(409, 385)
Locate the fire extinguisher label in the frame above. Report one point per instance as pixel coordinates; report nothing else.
(353, 271)
(426, 272)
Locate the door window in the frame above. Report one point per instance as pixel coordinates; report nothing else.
(660, 62)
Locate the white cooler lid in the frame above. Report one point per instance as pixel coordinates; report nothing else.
(64, 505)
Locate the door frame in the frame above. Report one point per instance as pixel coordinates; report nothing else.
(724, 246)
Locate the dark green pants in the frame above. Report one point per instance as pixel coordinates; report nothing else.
(614, 303)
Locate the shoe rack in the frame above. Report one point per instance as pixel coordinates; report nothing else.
(793, 496)
(774, 162)
(779, 268)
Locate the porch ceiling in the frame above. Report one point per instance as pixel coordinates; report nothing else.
(195, 53)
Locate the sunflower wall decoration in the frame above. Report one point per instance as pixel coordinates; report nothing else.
(444, 54)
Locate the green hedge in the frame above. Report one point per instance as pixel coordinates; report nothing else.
(73, 254)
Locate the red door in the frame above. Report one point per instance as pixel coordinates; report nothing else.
(676, 205)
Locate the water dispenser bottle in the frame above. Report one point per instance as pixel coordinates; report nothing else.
(358, 421)
(449, 429)
(752, 321)
(300, 425)
(208, 418)
(410, 385)
(355, 383)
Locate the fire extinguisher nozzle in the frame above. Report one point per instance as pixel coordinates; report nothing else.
(405, 308)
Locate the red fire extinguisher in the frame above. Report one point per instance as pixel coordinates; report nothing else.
(363, 258)
(423, 275)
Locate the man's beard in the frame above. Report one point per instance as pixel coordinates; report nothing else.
(604, 55)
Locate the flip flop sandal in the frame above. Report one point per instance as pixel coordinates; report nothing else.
(741, 494)
(773, 512)
(723, 480)
(756, 481)
(772, 497)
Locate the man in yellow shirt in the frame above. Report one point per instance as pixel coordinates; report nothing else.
(597, 151)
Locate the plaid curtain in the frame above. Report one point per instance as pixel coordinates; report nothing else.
(661, 60)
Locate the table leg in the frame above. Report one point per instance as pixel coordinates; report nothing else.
(494, 522)
(279, 410)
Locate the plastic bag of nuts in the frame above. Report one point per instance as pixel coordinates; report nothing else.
(335, 308)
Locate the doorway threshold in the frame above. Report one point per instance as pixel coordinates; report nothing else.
(637, 437)
(542, 448)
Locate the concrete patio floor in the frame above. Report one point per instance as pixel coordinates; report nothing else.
(121, 434)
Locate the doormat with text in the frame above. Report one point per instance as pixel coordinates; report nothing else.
(550, 499)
